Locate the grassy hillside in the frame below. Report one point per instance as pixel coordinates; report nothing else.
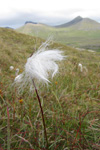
(80, 23)
(70, 102)
(15, 47)
(83, 34)
(87, 24)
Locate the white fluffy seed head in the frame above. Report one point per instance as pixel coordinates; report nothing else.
(11, 68)
(17, 69)
(80, 66)
(40, 66)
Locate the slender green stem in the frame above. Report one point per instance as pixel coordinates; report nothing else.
(45, 133)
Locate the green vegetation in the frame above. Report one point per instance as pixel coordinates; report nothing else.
(84, 34)
(70, 102)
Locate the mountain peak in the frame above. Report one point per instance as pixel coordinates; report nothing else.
(78, 17)
(74, 21)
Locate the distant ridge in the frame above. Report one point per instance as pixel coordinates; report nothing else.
(8, 27)
(80, 23)
(80, 32)
(30, 22)
(73, 22)
(86, 24)
(77, 23)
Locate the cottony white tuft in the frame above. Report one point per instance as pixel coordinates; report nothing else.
(40, 66)
(80, 66)
(11, 68)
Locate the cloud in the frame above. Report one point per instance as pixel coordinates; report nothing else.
(55, 18)
(53, 12)
(19, 18)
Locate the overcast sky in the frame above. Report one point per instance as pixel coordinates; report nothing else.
(14, 13)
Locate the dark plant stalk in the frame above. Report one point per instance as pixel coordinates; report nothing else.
(45, 133)
(8, 129)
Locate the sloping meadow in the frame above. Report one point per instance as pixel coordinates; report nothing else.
(70, 102)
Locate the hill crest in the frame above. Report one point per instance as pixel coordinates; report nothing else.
(79, 21)
(70, 23)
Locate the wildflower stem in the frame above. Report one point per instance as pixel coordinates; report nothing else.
(45, 133)
(8, 129)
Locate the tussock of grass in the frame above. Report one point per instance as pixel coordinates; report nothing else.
(70, 102)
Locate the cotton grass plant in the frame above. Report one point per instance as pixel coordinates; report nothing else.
(11, 68)
(39, 67)
(83, 69)
(80, 67)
